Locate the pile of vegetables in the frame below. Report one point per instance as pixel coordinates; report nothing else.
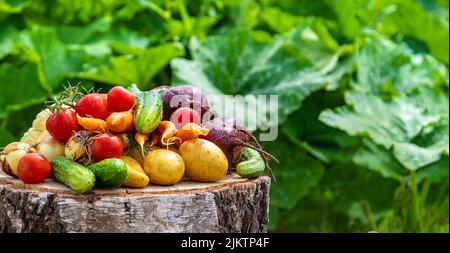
(131, 138)
(363, 90)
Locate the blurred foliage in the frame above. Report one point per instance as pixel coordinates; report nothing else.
(363, 87)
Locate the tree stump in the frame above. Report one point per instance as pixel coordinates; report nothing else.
(233, 204)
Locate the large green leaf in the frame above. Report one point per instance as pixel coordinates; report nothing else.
(389, 67)
(20, 87)
(413, 157)
(433, 141)
(99, 37)
(384, 122)
(84, 34)
(435, 136)
(138, 69)
(316, 43)
(427, 147)
(434, 100)
(401, 18)
(379, 160)
(435, 172)
(8, 35)
(126, 41)
(243, 62)
(418, 137)
(56, 60)
(409, 17)
(324, 142)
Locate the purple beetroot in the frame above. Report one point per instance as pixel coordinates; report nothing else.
(229, 136)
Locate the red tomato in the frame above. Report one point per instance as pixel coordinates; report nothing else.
(120, 99)
(33, 168)
(106, 146)
(61, 125)
(93, 106)
(184, 115)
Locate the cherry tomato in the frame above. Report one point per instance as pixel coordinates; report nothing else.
(33, 168)
(106, 146)
(62, 124)
(93, 105)
(184, 115)
(120, 99)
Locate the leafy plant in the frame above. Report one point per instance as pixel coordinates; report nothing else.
(362, 85)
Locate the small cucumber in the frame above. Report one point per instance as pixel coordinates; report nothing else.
(251, 164)
(148, 112)
(72, 174)
(111, 172)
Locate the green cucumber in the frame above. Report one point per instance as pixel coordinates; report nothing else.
(111, 172)
(251, 164)
(148, 112)
(72, 174)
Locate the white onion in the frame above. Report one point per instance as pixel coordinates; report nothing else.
(50, 147)
(78, 147)
(11, 155)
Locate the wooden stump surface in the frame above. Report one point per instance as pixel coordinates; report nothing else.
(233, 204)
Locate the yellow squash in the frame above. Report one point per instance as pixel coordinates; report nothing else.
(136, 175)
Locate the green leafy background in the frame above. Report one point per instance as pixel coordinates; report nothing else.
(362, 84)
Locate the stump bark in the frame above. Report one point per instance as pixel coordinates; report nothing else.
(233, 204)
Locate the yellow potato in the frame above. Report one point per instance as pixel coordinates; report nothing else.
(205, 161)
(136, 175)
(164, 167)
